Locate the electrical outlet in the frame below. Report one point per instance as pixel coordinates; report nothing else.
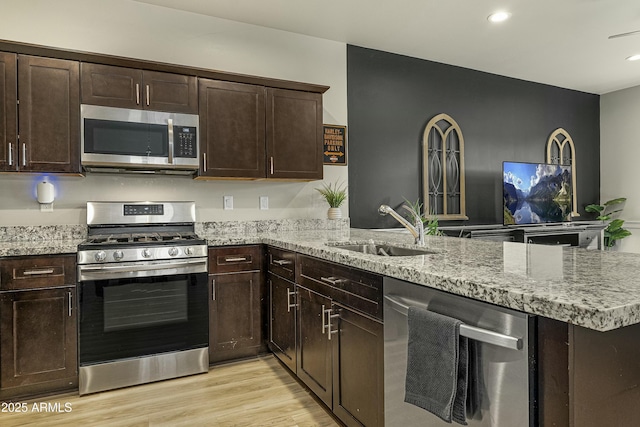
(264, 203)
(227, 203)
(46, 207)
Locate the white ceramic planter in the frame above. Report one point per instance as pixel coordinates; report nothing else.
(334, 213)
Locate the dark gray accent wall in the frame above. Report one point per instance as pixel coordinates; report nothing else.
(391, 98)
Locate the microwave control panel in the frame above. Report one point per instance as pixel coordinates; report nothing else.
(185, 142)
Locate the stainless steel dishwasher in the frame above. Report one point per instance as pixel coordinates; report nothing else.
(501, 363)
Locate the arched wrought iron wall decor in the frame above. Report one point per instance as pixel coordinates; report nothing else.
(562, 151)
(443, 169)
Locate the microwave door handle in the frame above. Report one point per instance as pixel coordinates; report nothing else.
(170, 126)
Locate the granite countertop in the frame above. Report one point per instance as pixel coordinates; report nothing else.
(593, 289)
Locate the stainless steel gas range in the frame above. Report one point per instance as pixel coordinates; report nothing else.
(142, 287)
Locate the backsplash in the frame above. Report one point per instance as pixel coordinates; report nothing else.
(44, 233)
(272, 226)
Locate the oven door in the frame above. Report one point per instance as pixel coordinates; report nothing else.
(142, 313)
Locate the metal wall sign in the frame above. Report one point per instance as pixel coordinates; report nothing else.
(335, 144)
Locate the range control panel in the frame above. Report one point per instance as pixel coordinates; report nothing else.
(185, 142)
(156, 209)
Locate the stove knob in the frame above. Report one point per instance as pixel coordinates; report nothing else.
(189, 251)
(100, 256)
(173, 251)
(146, 253)
(118, 255)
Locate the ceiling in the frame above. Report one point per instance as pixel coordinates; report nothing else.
(558, 42)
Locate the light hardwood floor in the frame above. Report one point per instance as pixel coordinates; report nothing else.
(250, 393)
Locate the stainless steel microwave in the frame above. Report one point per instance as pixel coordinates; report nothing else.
(128, 140)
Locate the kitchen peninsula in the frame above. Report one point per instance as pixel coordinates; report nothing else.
(586, 299)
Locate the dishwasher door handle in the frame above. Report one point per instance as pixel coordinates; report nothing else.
(468, 331)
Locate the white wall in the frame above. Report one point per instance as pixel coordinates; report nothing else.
(137, 30)
(620, 157)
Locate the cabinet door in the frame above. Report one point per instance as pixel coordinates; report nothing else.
(235, 319)
(294, 134)
(38, 337)
(358, 368)
(111, 86)
(232, 129)
(314, 345)
(175, 93)
(8, 111)
(49, 94)
(282, 320)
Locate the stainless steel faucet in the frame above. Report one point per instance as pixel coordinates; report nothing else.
(416, 230)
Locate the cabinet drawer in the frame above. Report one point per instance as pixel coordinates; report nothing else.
(231, 259)
(37, 272)
(349, 286)
(282, 263)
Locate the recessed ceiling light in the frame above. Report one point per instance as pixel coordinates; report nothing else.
(499, 16)
(633, 58)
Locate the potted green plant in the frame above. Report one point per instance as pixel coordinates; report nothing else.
(430, 221)
(614, 231)
(335, 195)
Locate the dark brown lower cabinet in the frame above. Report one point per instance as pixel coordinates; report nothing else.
(588, 378)
(236, 303)
(358, 383)
(314, 352)
(235, 317)
(38, 341)
(340, 346)
(282, 320)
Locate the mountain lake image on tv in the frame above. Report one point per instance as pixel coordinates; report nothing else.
(536, 193)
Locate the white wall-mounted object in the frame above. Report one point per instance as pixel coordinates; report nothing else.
(45, 192)
(264, 203)
(227, 203)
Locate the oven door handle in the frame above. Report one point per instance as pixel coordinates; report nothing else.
(141, 267)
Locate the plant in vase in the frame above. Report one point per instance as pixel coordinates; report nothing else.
(614, 231)
(335, 195)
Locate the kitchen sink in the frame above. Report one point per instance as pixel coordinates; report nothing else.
(383, 249)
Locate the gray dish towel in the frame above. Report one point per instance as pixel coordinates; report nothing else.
(437, 365)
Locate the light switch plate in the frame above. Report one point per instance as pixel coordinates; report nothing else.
(227, 203)
(264, 203)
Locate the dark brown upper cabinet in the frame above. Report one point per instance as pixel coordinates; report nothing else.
(249, 131)
(48, 136)
(139, 89)
(294, 134)
(8, 109)
(232, 129)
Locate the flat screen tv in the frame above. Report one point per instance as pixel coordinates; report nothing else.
(536, 193)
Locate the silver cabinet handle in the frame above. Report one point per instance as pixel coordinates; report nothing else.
(213, 289)
(170, 126)
(237, 259)
(10, 154)
(472, 332)
(24, 154)
(332, 280)
(282, 262)
(147, 95)
(271, 162)
(37, 272)
(289, 305)
(327, 324)
(324, 324)
(137, 94)
(204, 162)
(70, 303)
